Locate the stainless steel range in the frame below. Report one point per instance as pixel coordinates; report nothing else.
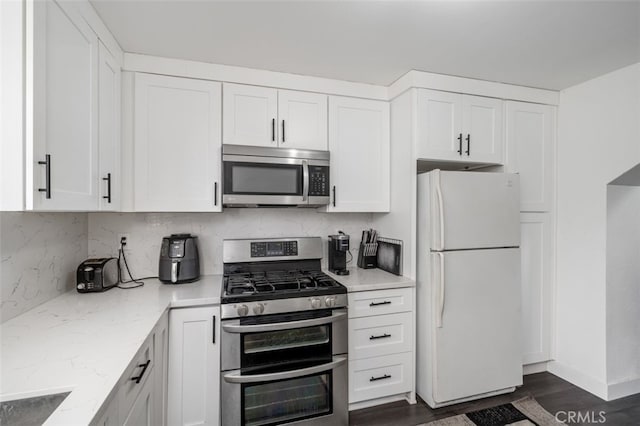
(284, 335)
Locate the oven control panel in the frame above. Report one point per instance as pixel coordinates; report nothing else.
(274, 248)
(282, 306)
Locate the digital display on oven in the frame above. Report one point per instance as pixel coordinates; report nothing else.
(274, 249)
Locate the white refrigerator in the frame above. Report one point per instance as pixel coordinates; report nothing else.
(468, 286)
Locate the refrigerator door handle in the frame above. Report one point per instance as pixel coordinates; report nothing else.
(440, 212)
(440, 292)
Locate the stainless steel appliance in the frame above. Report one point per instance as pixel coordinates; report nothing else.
(96, 275)
(338, 249)
(256, 176)
(284, 335)
(179, 259)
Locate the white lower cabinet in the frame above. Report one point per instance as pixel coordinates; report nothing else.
(381, 347)
(138, 398)
(194, 366)
(537, 251)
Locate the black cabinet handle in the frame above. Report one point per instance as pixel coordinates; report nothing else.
(382, 336)
(283, 139)
(460, 144)
(468, 143)
(273, 130)
(386, 302)
(373, 379)
(334, 195)
(108, 196)
(215, 193)
(47, 164)
(214, 330)
(144, 369)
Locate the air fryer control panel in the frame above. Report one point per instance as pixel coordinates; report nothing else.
(318, 181)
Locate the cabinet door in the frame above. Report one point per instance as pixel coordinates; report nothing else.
(109, 129)
(536, 249)
(194, 366)
(250, 115)
(302, 120)
(482, 129)
(143, 409)
(62, 93)
(109, 416)
(161, 350)
(530, 152)
(176, 144)
(360, 155)
(439, 119)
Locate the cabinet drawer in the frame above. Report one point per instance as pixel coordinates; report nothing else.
(367, 303)
(129, 389)
(380, 335)
(379, 377)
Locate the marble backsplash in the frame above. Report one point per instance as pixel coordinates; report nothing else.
(145, 232)
(39, 254)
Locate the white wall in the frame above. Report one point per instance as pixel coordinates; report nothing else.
(599, 139)
(39, 254)
(147, 229)
(623, 284)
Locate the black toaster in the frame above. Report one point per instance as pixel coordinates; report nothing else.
(96, 275)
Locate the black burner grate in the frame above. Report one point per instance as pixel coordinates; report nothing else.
(260, 282)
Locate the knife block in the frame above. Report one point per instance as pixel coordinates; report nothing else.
(367, 256)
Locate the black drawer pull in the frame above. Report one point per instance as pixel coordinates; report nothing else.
(47, 164)
(386, 302)
(382, 336)
(108, 180)
(144, 369)
(273, 130)
(373, 379)
(460, 144)
(468, 144)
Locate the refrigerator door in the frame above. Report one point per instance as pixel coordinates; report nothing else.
(476, 335)
(474, 210)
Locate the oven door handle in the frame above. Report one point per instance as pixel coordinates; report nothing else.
(255, 378)
(277, 326)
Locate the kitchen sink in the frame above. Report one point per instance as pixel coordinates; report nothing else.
(30, 411)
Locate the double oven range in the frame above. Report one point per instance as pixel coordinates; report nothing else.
(284, 335)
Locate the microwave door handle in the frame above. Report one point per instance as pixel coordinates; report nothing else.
(305, 180)
(277, 326)
(255, 378)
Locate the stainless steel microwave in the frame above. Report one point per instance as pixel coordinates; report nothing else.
(256, 176)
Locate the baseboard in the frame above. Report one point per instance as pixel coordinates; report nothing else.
(409, 397)
(622, 389)
(588, 383)
(537, 367)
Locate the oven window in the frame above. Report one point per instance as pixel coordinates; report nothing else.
(287, 339)
(287, 400)
(262, 179)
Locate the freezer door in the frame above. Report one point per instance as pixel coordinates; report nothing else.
(474, 210)
(476, 339)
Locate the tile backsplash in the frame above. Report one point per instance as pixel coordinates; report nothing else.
(39, 254)
(145, 232)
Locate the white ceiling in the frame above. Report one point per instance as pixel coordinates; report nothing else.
(547, 44)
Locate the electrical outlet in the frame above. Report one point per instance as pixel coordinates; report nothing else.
(124, 238)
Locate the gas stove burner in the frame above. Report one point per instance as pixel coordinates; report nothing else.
(259, 282)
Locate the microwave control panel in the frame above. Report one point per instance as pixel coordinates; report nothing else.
(318, 181)
(274, 249)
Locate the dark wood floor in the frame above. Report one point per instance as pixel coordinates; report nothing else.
(553, 393)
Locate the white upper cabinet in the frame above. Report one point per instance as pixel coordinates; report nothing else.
(303, 120)
(457, 127)
(109, 130)
(439, 125)
(530, 152)
(176, 144)
(261, 116)
(482, 129)
(250, 115)
(360, 155)
(62, 109)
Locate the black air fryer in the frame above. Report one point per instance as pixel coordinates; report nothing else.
(179, 260)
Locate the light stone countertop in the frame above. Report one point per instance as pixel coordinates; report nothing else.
(371, 279)
(84, 342)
